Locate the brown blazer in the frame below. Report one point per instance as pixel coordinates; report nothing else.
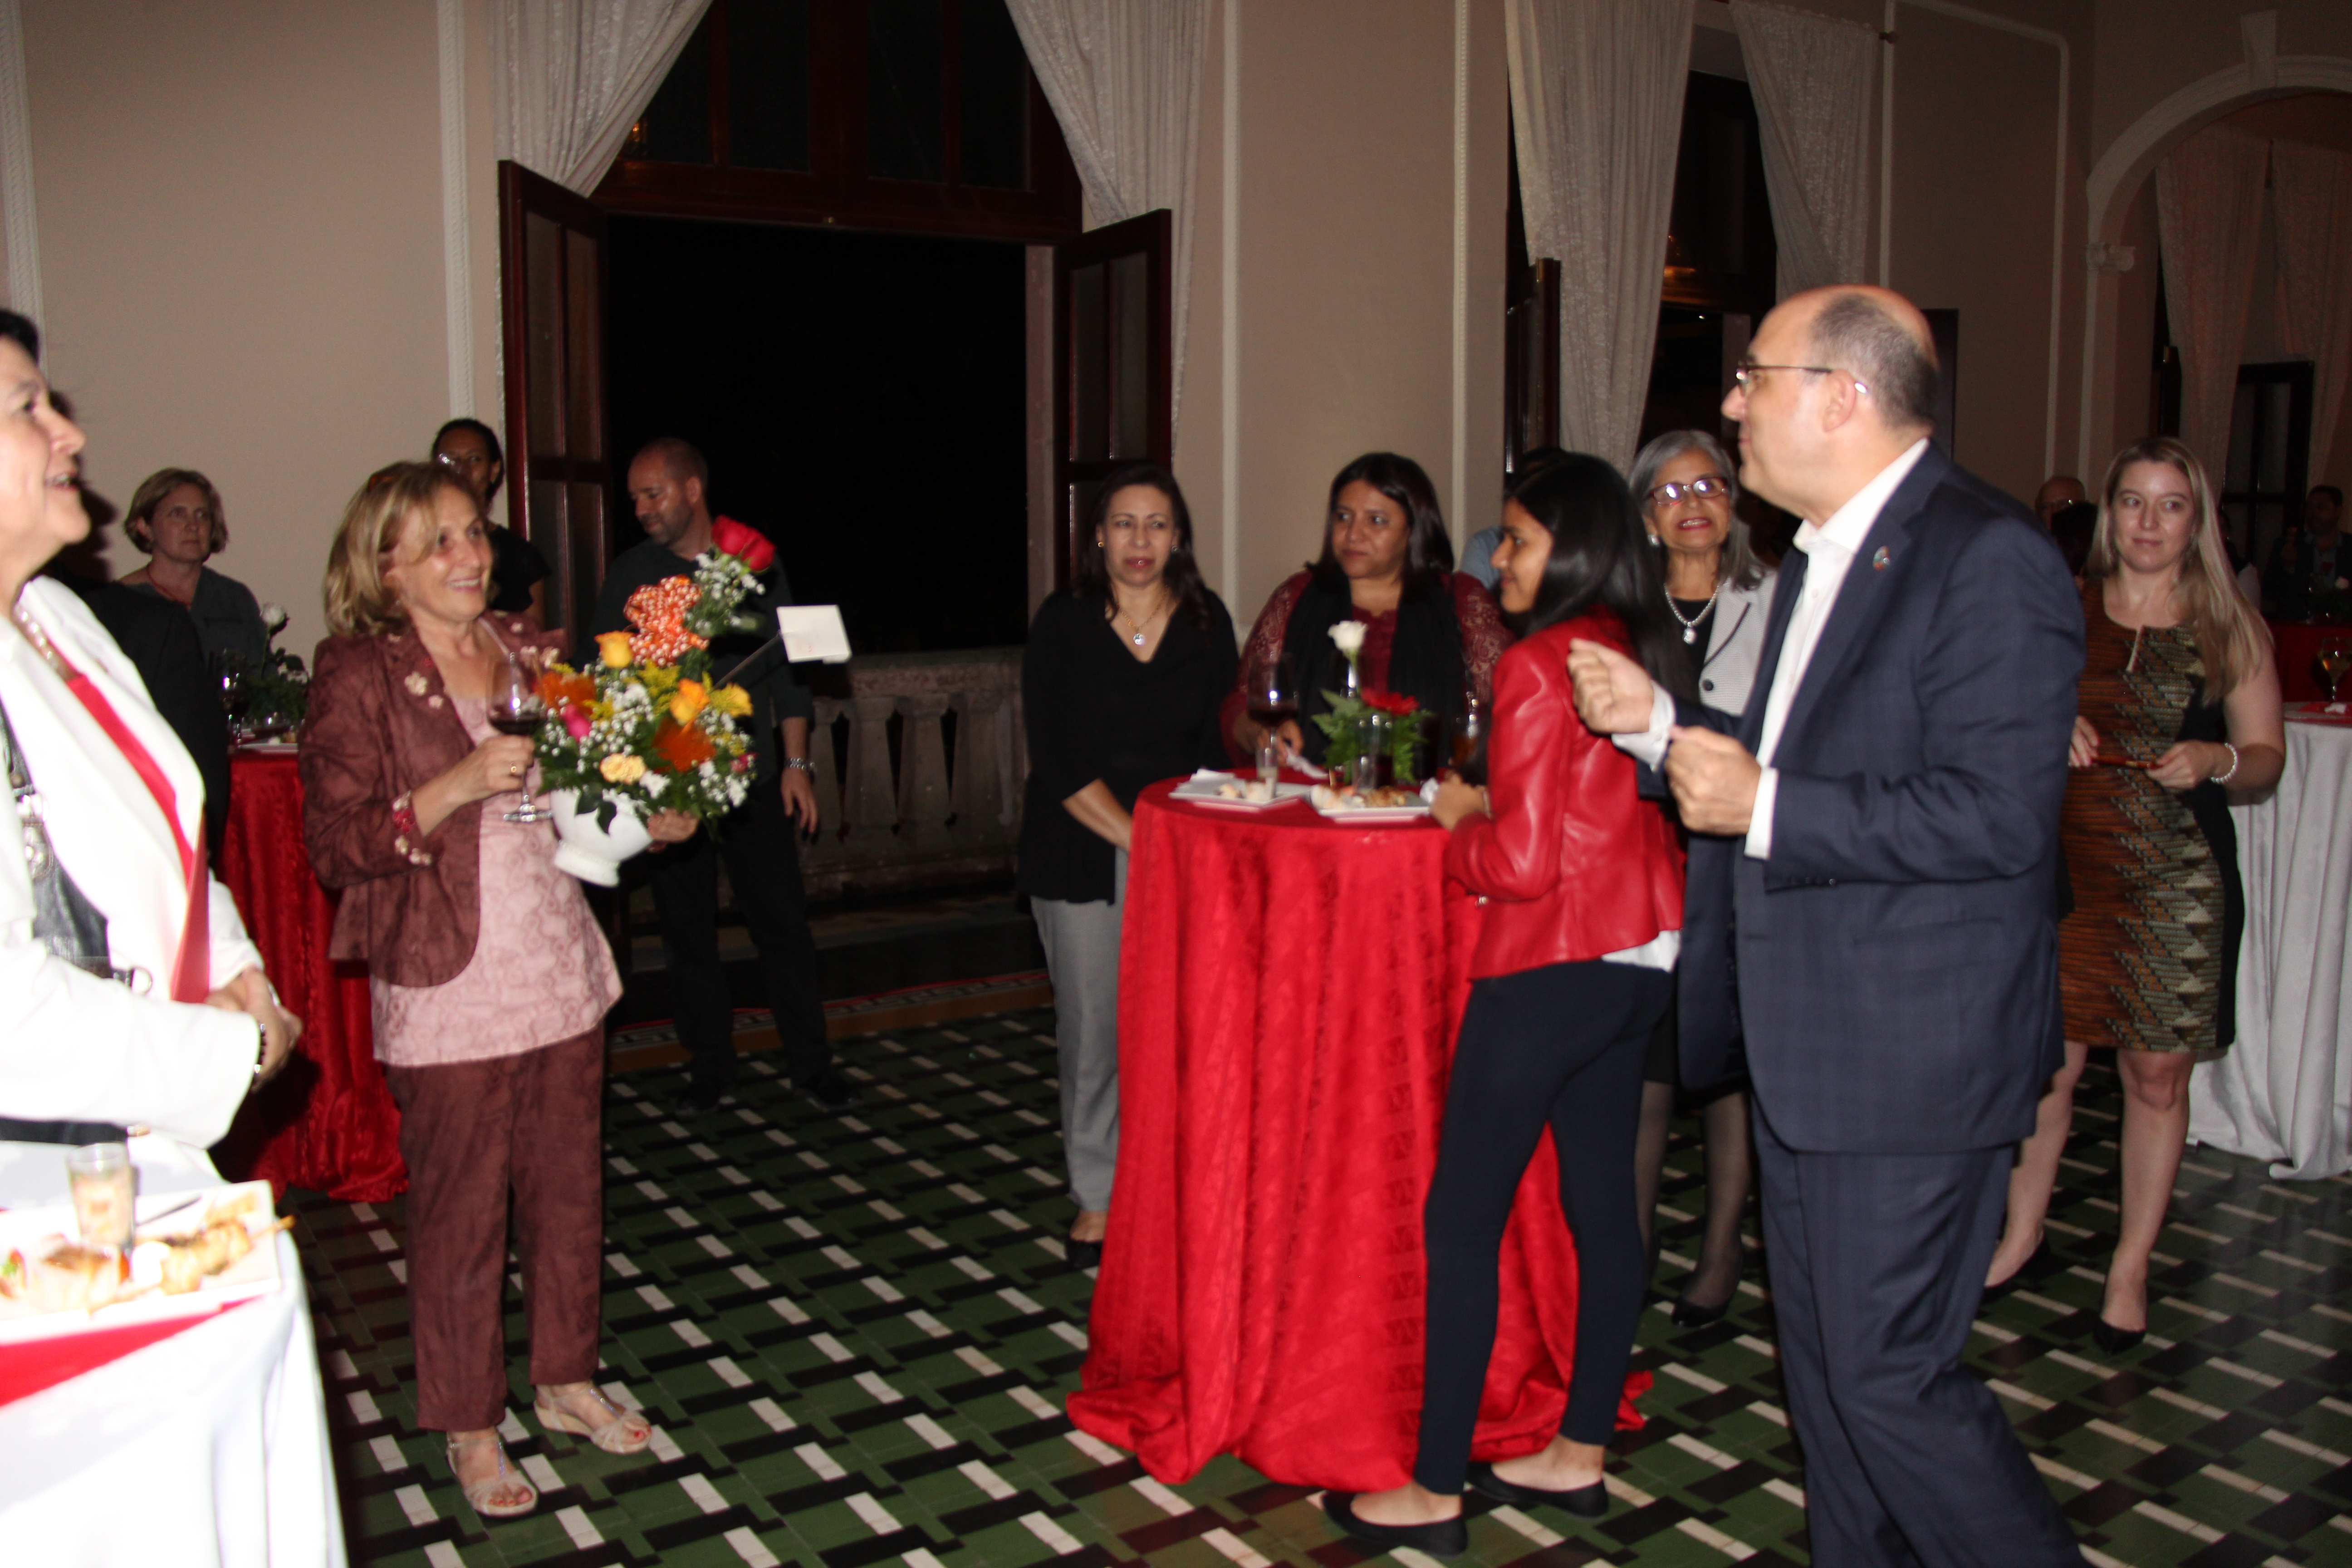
(381, 723)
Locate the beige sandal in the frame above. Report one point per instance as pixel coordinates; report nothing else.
(478, 1495)
(626, 1433)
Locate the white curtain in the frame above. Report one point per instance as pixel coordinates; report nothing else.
(1816, 84)
(1125, 83)
(2209, 215)
(2311, 188)
(1597, 97)
(573, 75)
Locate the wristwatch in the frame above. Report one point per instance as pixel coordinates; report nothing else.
(800, 764)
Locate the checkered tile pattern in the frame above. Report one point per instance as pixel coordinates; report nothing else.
(853, 1334)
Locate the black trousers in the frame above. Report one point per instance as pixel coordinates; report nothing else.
(1559, 1045)
(1877, 1264)
(763, 867)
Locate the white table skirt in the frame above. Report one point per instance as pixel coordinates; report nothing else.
(2284, 1092)
(207, 1448)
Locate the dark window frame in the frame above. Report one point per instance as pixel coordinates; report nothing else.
(837, 190)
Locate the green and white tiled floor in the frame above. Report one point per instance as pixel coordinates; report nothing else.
(853, 1333)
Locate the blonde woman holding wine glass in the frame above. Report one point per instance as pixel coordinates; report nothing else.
(2180, 714)
(488, 979)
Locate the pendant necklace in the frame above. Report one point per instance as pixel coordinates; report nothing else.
(1140, 627)
(1690, 626)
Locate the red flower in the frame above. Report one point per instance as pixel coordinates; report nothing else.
(747, 544)
(1389, 702)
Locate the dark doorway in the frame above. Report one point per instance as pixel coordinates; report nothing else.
(860, 399)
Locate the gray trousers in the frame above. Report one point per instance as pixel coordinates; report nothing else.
(1081, 944)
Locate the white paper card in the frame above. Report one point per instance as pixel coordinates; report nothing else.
(812, 633)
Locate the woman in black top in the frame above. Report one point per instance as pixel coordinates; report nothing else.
(1119, 687)
(469, 450)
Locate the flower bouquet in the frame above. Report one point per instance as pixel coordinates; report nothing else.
(1352, 714)
(646, 728)
(277, 690)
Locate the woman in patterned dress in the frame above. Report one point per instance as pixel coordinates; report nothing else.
(2179, 710)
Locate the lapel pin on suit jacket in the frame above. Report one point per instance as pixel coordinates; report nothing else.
(1878, 561)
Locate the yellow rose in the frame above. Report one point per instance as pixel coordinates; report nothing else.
(733, 701)
(692, 696)
(622, 768)
(612, 647)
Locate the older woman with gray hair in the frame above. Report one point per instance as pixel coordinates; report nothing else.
(1720, 595)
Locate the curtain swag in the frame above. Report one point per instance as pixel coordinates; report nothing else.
(1816, 81)
(571, 78)
(2209, 215)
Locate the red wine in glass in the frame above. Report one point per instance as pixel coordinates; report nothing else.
(1271, 712)
(515, 709)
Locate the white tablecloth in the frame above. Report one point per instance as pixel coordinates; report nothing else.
(203, 1449)
(2284, 1092)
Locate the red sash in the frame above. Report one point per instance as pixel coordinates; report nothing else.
(191, 966)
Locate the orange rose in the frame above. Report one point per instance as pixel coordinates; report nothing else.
(692, 696)
(612, 647)
(683, 747)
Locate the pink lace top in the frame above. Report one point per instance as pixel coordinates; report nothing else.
(541, 970)
(1483, 638)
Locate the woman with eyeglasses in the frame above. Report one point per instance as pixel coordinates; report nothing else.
(1719, 596)
(175, 516)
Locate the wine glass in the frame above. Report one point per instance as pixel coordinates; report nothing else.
(516, 710)
(2335, 659)
(228, 672)
(1273, 699)
(1467, 730)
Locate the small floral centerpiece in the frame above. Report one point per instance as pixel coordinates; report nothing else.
(277, 690)
(1349, 718)
(647, 729)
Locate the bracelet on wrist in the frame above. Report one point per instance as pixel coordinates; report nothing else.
(800, 764)
(2222, 778)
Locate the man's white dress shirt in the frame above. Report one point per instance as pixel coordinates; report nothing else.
(1829, 549)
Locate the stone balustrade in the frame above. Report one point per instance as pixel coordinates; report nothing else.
(920, 761)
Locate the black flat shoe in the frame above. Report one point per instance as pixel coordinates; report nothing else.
(1445, 1537)
(2115, 1340)
(1084, 1254)
(1689, 1314)
(831, 1089)
(1585, 1502)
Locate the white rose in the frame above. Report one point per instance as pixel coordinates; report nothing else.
(1347, 636)
(273, 616)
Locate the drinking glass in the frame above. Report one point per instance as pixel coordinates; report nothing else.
(104, 1183)
(1468, 731)
(1272, 697)
(516, 710)
(228, 674)
(2335, 659)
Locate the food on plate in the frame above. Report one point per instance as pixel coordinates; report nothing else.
(68, 1278)
(1386, 797)
(1257, 791)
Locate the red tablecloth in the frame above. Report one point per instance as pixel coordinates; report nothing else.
(2296, 646)
(326, 1123)
(1288, 993)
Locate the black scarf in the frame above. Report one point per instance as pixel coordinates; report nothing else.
(1424, 663)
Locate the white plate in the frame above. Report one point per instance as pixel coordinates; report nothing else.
(255, 1274)
(1203, 792)
(1375, 813)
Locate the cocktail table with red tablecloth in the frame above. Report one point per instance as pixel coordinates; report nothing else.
(326, 1123)
(1289, 988)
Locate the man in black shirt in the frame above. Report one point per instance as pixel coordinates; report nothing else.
(666, 484)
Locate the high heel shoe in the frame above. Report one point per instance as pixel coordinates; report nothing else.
(2115, 1340)
(1689, 1314)
(2034, 1260)
(1585, 1502)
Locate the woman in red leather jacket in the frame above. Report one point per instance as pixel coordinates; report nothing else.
(1582, 884)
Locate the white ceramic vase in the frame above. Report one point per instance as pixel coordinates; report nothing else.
(591, 853)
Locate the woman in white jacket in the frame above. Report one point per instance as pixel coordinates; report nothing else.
(184, 1024)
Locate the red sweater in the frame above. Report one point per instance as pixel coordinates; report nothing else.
(1572, 863)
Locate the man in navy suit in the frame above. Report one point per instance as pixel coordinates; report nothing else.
(1872, 872)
